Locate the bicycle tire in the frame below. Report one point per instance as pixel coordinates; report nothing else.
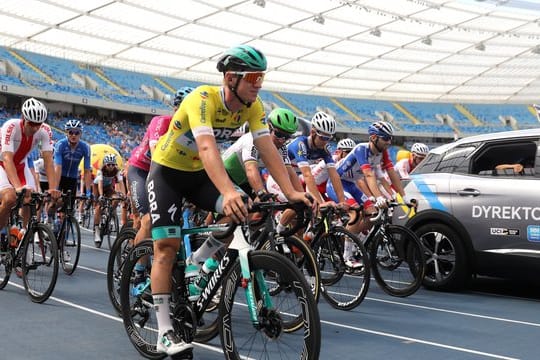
(235, 322)
(87, 217)
(112, 229)
(342, 287)
(139, 308)
(6, 266)
(398, 260)
(70, 239)
(115, 263)
(300, 254)
(40, 263)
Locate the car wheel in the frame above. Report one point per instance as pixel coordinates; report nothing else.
(446, 263)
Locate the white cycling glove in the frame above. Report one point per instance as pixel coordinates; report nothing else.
(380, 202)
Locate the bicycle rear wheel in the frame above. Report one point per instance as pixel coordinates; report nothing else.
(138, 314)
(241, 339)
(342, 286)
(117, 257)
(398, 261)
(70, 248)
(40, 262)
(6, 266)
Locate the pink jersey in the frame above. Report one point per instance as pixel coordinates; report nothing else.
(13, 140)
(140, 156)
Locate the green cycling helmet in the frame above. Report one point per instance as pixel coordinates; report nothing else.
(284, 120)
(242, 58)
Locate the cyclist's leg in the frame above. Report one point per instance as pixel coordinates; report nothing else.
(139, 197)
(8, 197)
(166, 217)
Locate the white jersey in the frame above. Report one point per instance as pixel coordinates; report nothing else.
(39, 168)
(319, 172)
(403, 168)
(13, 140)
(242, 151)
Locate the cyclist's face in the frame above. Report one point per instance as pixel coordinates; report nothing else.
(248, 89)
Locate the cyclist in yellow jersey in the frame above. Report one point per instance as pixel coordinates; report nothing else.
(187, 164)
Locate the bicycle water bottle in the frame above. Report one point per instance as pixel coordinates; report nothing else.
(196, 287)
(14, 236)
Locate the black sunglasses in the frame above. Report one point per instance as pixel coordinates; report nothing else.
(281, 135)
(74, 132)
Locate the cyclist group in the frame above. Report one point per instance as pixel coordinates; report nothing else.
(179, 159)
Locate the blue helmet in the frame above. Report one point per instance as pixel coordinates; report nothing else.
(181, 94)
(381, 128)
(73, 124)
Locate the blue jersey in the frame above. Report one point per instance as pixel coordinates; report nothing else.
(70, 158)
(351, 167)
(301, 154)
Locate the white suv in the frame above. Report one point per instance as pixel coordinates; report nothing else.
(474, 218)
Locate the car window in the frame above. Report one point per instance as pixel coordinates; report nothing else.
(453, 160)
(514, 158)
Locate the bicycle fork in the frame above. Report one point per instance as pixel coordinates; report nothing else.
(243, 247)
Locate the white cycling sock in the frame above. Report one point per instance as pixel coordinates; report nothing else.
(207, 249)
(161, 305)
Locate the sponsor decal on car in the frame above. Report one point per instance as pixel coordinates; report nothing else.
(533, 233)
(503, 231)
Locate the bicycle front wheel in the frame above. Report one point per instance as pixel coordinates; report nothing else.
(117, 257)
(240, 338)
(112, 229)
(70, 245)
(344, 283)
(299, 252)
(40, 262)
(398, 260)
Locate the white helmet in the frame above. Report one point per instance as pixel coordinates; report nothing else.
(324, 123)
(420, 149)
(346, 144)
(109, 159)
(34, 111)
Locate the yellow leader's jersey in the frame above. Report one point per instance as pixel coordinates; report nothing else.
(203, 112)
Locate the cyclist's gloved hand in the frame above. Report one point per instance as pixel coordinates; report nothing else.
(380, 202)
(101, 198)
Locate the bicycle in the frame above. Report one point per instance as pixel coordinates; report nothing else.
(108, 224)
(265, 237)
(256, 271)
(398, 257)
(35, 257)
(342, 286)
(87, 213)
(121, 248)
(68, 236)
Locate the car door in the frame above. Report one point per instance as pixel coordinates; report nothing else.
(499, 209)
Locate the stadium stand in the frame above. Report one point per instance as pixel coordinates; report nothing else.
(27, 69)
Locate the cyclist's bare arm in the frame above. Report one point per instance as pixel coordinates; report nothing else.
(336, 182)
(233, 205)
(294, 178)
(253, 175)
(11, 172)
(274, 163)
(396, 181)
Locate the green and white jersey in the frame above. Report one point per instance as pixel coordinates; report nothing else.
(241, 152)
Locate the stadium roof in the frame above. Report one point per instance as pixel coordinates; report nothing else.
(424, 50)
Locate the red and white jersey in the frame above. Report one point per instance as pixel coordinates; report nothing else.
(13, 140)
(404, 167)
